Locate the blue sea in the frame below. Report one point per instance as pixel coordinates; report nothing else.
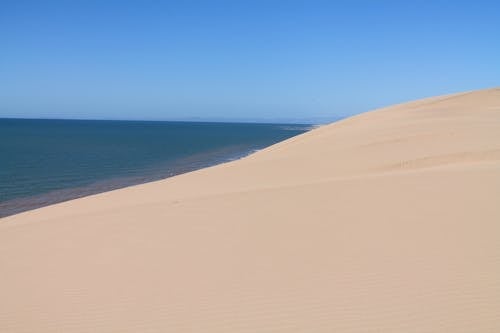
(48, 161)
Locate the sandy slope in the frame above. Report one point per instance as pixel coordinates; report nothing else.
(385, 222)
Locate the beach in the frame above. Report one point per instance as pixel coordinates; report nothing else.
(388, 221)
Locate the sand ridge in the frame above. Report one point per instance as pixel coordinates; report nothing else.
(383, 222)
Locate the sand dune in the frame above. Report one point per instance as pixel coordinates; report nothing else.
(384, 222)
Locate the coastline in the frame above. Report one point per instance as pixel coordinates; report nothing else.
(200, 161)
(383, 221)
(23, 191)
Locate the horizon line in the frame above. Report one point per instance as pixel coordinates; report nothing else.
(188, 120)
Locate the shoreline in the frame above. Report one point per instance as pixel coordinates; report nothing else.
(76, 186)
(25, 204)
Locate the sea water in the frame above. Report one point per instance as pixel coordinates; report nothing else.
(48, 161)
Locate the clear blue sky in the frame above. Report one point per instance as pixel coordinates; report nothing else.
(239, 60)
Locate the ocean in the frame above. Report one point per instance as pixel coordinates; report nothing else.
(43, 162)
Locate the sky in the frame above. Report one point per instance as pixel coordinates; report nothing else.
(292, 61)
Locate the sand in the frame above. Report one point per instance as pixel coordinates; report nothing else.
(388, 221)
